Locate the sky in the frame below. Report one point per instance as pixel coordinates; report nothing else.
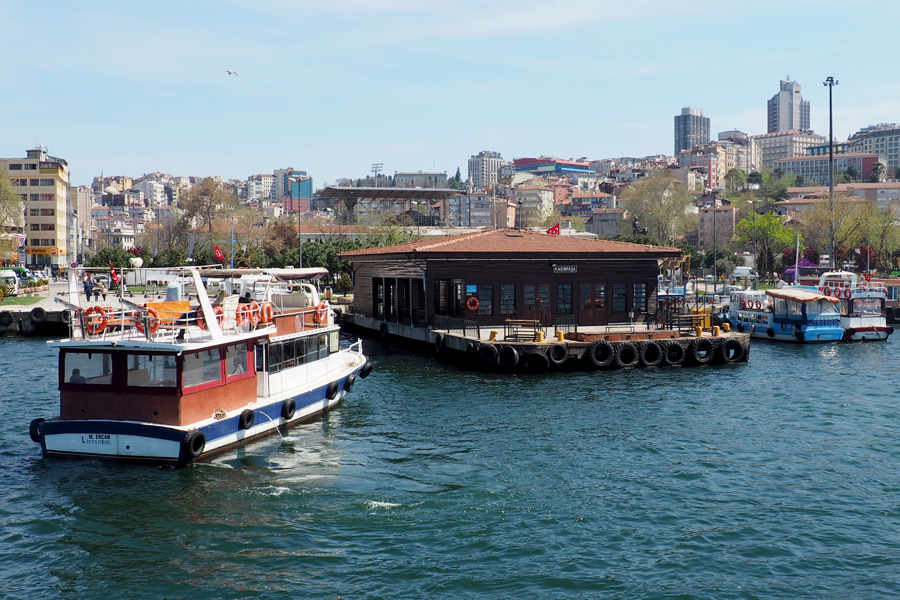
(126, 88)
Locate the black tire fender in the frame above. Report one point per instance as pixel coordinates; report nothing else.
(508, 357)
(557, 354)
(38, 314)
(731, 350)
(288, 409)
(651, 354)
(332, 390)
(34, 430)
(626, 355)
(382, 329)
(246, 419)
(535, 361)
(6, 318)
(366, 370)
(674, 354)
(192, 446)
(348, 383)
(701, 351)
(601, 354)
(487, 354)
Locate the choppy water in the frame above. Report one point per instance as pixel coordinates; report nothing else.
(774, 479)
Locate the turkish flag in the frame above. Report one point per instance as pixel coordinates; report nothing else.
(867, 276)
(219, 255)
(112, 273)
(554, 230)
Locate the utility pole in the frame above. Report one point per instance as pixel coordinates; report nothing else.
(830, 82)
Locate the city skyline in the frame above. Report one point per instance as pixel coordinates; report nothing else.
(332, 89)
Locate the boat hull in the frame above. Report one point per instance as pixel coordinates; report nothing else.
(160, 444)
(763, 325)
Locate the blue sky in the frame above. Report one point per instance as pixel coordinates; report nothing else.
(128, 87)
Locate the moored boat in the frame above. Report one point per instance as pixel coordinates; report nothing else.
(861, 304)
(173, 382)
(790, 314)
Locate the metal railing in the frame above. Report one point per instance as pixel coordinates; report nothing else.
(457, 324)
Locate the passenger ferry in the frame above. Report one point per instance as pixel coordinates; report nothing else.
(175, 382)
(861, 305)
(790, 314)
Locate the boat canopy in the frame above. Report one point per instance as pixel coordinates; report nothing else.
(310, 273)
(803, 296)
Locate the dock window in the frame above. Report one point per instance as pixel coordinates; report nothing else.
(507, 299)
(202, 367)
(564, 298)
(485, 295)
(619, 299)
(639, 299)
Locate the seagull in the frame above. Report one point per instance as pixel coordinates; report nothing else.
(232, 73)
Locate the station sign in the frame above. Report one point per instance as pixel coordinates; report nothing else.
(565, 268)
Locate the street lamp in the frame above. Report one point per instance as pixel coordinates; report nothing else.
(830, 82)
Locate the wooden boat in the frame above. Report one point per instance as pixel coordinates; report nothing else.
(173, 382)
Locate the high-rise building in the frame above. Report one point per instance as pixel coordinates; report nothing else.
(484, 169)
(691, 128)
(787, 109)
(43, 182)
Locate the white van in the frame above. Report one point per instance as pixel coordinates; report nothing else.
(743, 272)
(9, 279)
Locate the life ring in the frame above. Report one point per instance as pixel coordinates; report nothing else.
(826, 290)
(321, 314)
(487, 354)
(651, 354)
(743, 303)
(95, 320)
(288, 409)
(674, 354)
(38, 314)
(731, 350)
(266, 312)
(837, 292)
(192, 446)
(153, 321)
(332, 390)
(626, 355)
(557, 354)
(218, 311)
(701, 351)
(472, 303)
(246, 313)
(508, 357)
(600, 353)
(366, 370)
(246, 419)
(348, 383)
(847, 293)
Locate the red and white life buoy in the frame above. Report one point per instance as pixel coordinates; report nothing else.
(837, 292)
(472, 303)
(321, 314)
(826, 290)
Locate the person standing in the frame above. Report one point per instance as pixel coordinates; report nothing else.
(103, 290)
(88, 288)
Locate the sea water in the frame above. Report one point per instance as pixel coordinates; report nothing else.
(777, 478)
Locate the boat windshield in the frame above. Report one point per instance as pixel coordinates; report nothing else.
(867, 306)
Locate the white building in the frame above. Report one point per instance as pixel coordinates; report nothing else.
(484, 169)
(785, 144)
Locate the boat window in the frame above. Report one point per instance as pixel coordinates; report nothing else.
(202, 367)
(867, 306)
(147, 370)
(288, 357)
(93, 368)
(260, 358)
(334, 342)
(827, 309)
(274, 358)
(321, 346)
(236, 360)
(301, 349)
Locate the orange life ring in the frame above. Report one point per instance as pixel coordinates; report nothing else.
(266, 312)
(743, 303)
(472, 303)
(218, 311)
(321, 314)
(247, 312)
(95, 320)
(847, 293)
(153, 320)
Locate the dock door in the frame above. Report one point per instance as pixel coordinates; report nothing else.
(593, 304)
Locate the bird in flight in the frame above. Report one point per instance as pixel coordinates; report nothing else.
(232, 73)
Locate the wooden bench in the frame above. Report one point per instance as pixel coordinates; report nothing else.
(522, 330)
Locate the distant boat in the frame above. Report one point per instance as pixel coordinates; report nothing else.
(861, 305)
(790, 314)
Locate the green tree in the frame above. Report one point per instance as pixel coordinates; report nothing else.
(852, 173)
(770, 236)
(755, 178)
(170, 257)
(204, 203)
(660, 202)
(877, 173)
(117, 256)
(12, 215)
(735, 180)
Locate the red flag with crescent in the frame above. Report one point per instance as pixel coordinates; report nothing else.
(554, 230)
(219, 255)
(112, 273)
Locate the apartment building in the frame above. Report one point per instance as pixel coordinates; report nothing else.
(787, 110)
(784, 144)
(484, 169)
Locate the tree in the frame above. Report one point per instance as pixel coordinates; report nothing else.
(117, 256)
(852, 173)
(203, 203)
(12, 215)
(877, 173)
(770, 235)
(755, 178)
(659, 201)
(735, 180)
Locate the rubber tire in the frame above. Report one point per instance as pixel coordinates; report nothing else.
(366, 370)
(288, 409)
(6, 318)
(701, 345)
(66, 317)
(332, 390)
(38, 314)
(382, 329)
(623, 351)
(558, 354)
(740, 327)
(770, 332)
(606, 351)
(348, 383)
(535, 361)
(34, 430)
(488, 354)
(192, 445)
(508, 357)
(674, 354)
(731, 351)
(246, 419)
(439, 343)
(651, 354)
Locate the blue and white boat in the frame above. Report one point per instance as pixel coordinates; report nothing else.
(175, 382)
(790, 314)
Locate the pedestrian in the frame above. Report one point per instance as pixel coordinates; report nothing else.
(103, 290)
(96, 287)
(88, 288)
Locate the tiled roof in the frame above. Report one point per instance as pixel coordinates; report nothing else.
(513, 241)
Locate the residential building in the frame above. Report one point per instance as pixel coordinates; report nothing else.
(882, 139)
(583, 205)
(815, 170)
(608, 222)
(420, 180)
(535, 204)
(478, 209)
(43, 182)
(787, 110)
(885, 194)
(712, 157)
(691, 129)
(261, 186)
(784, 144)
(484, 169)
(743, 152)
(291, 183)
(716, 223)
